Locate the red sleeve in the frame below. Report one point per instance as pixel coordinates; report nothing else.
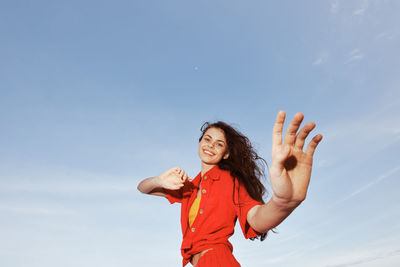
(174, 195)
(243, 203)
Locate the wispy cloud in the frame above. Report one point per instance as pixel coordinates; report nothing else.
(360, 11)
(388, 34)
(354, 55)
(281, 257)
(292, 253)
(374, 131)
(311, 227)
(321, 59)
(367, 258)
(29, 209)
(370, 184)
(59, 181)
(334, 6)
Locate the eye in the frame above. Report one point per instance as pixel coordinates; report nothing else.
(220, 145)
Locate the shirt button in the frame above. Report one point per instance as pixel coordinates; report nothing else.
(205, 177)
(203, 191)
(193, 229)
(201, 211)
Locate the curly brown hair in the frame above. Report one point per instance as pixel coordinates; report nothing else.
(243, 162)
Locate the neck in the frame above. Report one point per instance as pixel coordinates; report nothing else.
(205, 168)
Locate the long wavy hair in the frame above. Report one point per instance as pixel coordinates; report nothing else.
(243, 162)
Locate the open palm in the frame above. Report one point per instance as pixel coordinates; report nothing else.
(290, 170)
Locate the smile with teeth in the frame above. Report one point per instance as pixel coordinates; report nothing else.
(208, 152)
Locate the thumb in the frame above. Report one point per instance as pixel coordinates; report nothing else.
(281, 156)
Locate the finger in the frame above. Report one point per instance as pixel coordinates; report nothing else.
(176, 187)
(178, 183)
(184, 176)
(277, 129)
(180, 172)
(294, 125)
(302, 135)
(313, 144)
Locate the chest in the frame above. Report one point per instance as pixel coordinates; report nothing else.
(217, 197)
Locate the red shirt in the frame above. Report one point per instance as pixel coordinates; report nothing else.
(223, 200)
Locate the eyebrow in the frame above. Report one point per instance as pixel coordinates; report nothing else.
(218, 140)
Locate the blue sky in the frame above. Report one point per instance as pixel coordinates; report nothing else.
(97, 95)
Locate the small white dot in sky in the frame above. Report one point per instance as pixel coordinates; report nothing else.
(196, 68)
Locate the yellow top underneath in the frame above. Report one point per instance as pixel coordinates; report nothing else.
(194, 209)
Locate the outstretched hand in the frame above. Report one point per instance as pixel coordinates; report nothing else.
(290, 170)
(172, 179)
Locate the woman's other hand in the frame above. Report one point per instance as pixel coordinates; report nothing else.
(172, 179)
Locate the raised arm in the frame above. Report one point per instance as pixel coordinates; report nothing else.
(172, 179)
(290, 173)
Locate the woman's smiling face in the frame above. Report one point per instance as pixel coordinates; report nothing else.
(213, 146)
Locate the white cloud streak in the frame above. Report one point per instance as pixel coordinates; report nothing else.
(360, 11)
(321, 59)
(29, 209)
(53, 181)
(370, 184)
(366, 259)
(387, 34)
(354, 55)
(334, 6)
(366, 134)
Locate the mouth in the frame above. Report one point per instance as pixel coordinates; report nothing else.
(208, 152)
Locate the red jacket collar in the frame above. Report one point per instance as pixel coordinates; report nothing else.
(213, 173)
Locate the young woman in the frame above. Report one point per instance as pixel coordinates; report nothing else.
(229, 188)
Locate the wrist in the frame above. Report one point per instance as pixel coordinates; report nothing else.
(157, 181)
(284, 203)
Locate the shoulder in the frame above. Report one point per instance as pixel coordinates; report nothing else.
(219, 174)
(223, 178)
(225, 174)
